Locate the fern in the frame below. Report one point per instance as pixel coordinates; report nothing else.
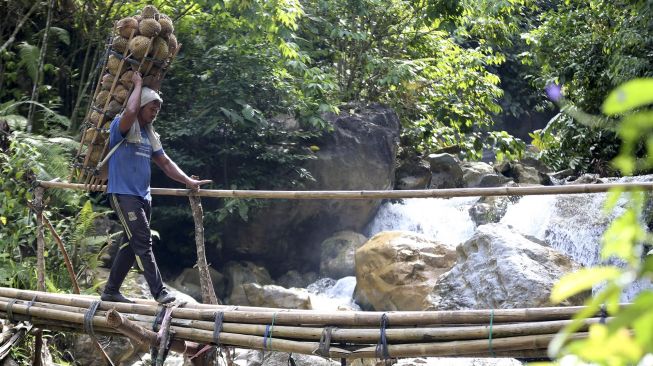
(29, 58)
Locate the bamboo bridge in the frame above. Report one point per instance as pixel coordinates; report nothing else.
(191, 329)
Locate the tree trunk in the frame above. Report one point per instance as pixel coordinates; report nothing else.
(39, 76)
(40, 267)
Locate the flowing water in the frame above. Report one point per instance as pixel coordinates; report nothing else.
(572, 224)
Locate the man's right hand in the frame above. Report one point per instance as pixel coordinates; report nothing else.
(137, 78)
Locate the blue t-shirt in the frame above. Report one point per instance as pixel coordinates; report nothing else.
(129, 166)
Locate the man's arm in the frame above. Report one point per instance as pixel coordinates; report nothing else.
(175, 173)
(133, 105)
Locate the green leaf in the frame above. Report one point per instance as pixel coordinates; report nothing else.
(633, 94)
(29, 58)
(580, 281)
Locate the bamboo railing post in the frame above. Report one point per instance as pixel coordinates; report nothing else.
(208, 291)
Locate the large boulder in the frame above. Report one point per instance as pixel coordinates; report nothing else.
(274, 296)
(240, 274)
(337, 254)
(413, 173)
(397, 270)
(445, 171)
(359, 154)
(189, 283)
(498, 269)
(475, 171)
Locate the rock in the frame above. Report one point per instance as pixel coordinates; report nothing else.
(274, 296)
(397, 270)
(413, 174)
(494, 180)
(522, 173)
(241, 273)
(586, 179)
(499, 269)
(294, 278)
(337, 254)
(359, 154)
(446, 171)
(474, 172)
(254, 358)
(489, 209)
(188, 282)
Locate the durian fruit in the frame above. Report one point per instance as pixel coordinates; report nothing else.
(113, 65)
(155, 71)
(152, 82)
(96, 155)
(119, 44)
(149, 11)
(126, 79)
(138, 46)
(166, 25)
(120, 93)
(107, 80)
(101, 98)
(125, 26)
(159, 49)
(94, 118)
(149, 27)
(113, 109)
(90, 135)
(172, 44)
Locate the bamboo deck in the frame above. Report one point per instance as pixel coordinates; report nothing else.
(338, 334)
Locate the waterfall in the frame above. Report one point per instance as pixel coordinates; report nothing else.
(444, 220)
(573, 224)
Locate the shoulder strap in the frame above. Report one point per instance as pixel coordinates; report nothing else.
(106, 158)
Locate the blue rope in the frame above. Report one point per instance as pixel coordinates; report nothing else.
(382, 347)
(88, 319)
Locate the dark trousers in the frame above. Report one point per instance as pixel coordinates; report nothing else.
(134, 214)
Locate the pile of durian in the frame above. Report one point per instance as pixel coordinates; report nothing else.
(144, 43)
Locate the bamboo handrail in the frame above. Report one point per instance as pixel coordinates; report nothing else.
(382, 194)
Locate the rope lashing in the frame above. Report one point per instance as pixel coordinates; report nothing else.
(88, 319)
(603, 313)
(268, 334)
(156, 325)
(10, 310)
(217, 328)
(325, 342)
(490, 334)
(158, 318)
(29, 305)
(382, 347)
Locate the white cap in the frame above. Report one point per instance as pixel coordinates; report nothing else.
(148, 95)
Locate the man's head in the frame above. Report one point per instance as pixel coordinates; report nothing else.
(150, 105)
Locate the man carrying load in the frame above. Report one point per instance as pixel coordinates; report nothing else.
(129, 189)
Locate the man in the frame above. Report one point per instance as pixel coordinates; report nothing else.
(129, 189)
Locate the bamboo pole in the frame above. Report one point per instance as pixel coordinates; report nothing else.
(459, 348)
(307, 317)
(387, 194)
